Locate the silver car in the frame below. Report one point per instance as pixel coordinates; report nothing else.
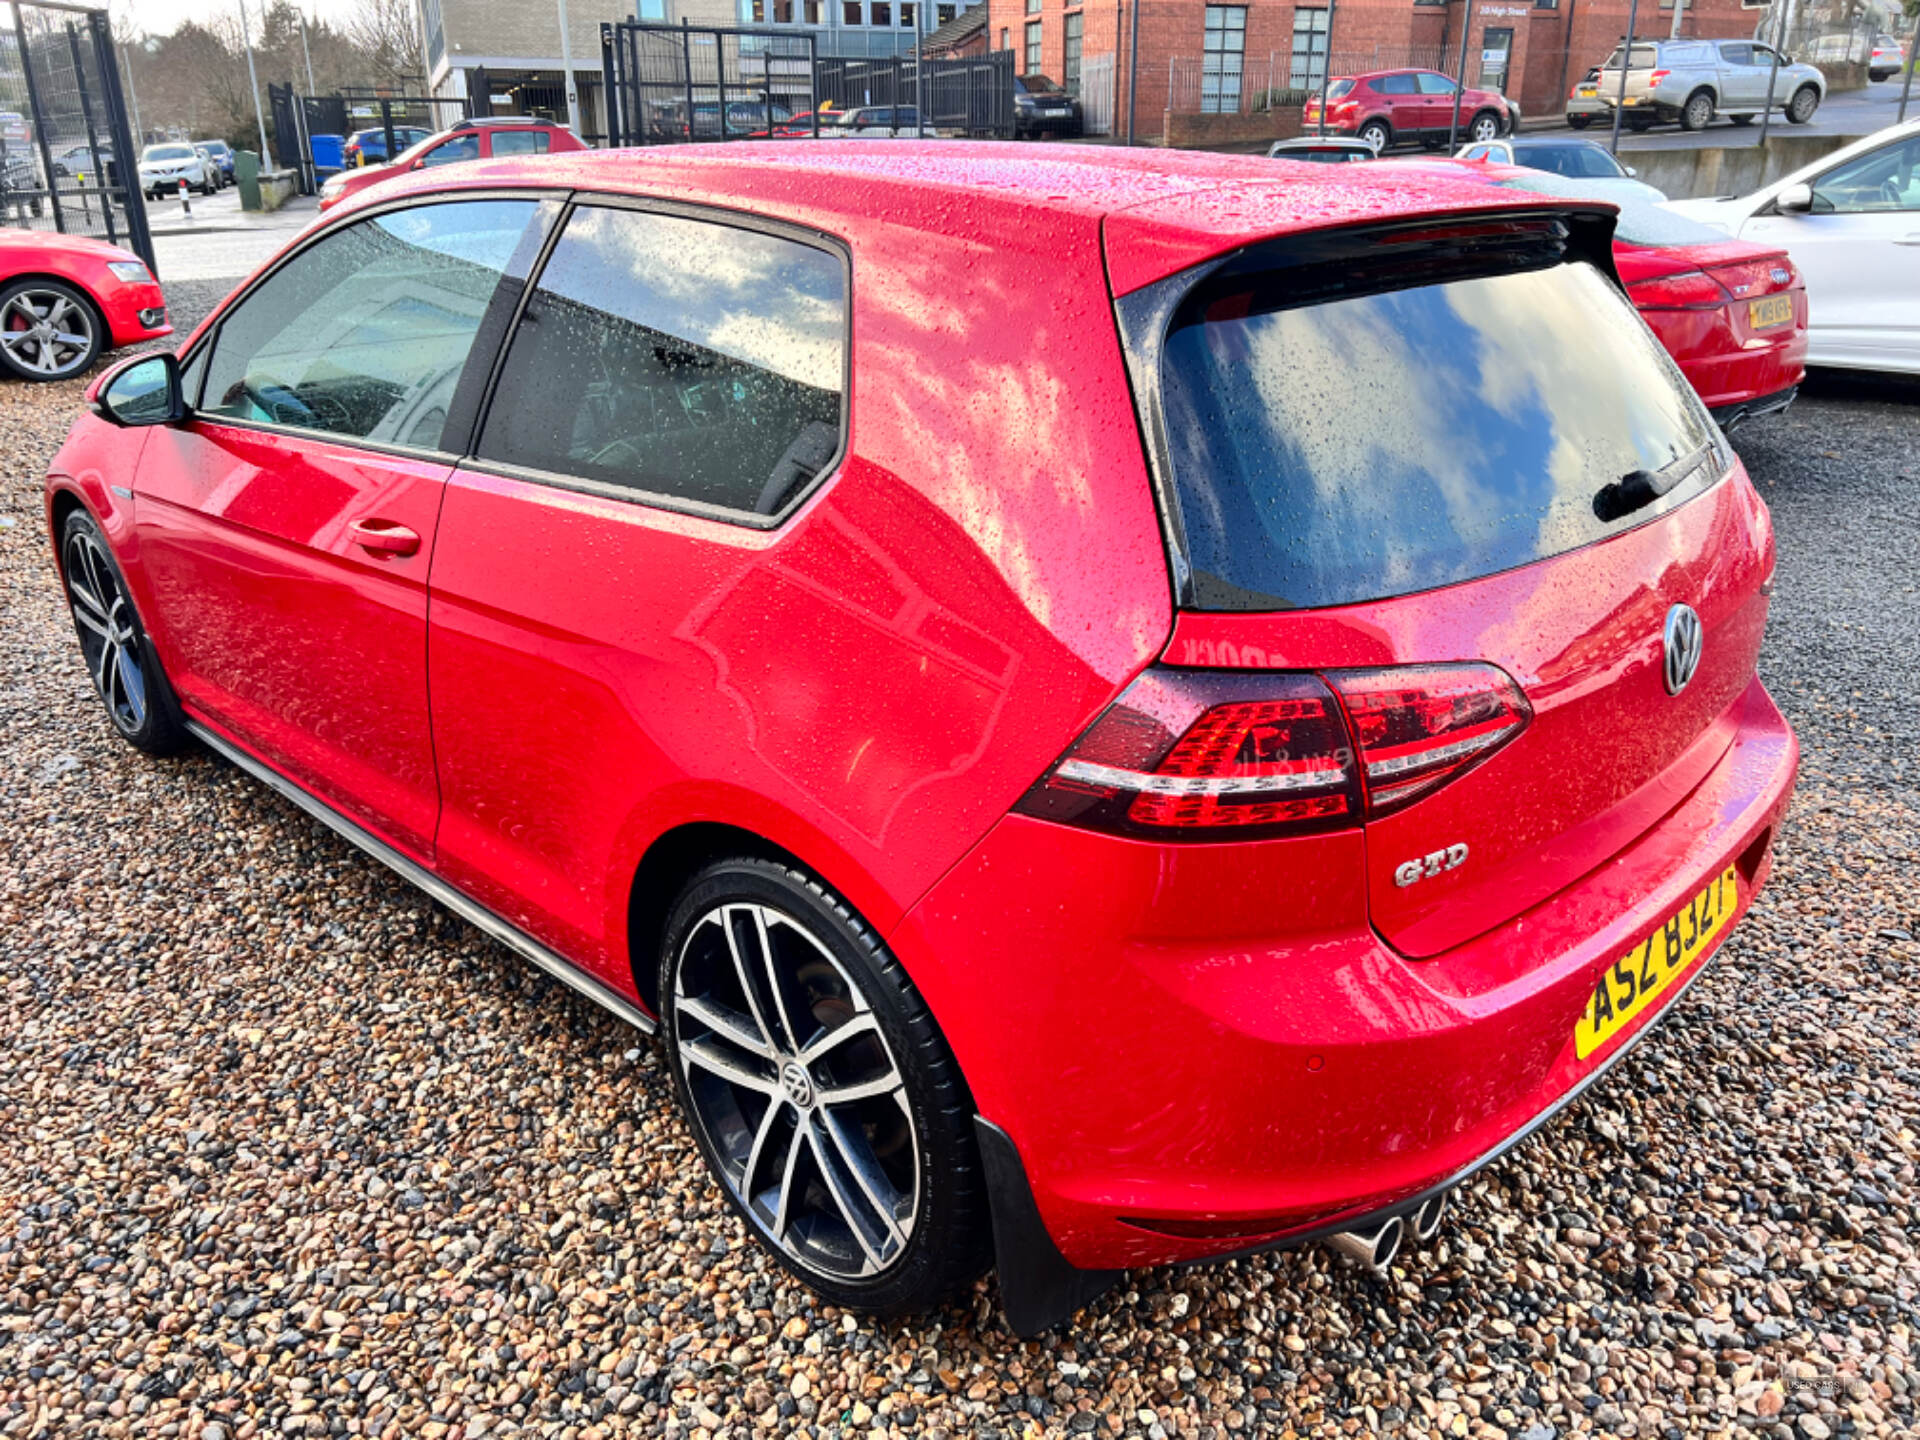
(1692, 80)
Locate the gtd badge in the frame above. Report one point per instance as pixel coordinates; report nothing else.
(1683, 643)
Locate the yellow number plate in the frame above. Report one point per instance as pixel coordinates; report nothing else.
(1632, 983)
(1588, 92)
(1774, 310)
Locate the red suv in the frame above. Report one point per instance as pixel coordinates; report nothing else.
(1398, 107)
(485, 139)
(1091, 748)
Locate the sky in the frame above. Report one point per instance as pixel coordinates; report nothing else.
(161, 17)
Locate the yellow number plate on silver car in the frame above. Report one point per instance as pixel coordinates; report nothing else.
(1631, 985)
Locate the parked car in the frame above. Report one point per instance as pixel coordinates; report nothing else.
(1001, 882)
(78, 160)
(744, 119)
(222, 154)
(369, 147)
(1606, 178)
(1584, 105)
(1732, 315)
(164, 167)
(1851, 222)
(1889, 58)
(1042, 107)
(480, 139)
(213, 165)
(14, 129)
(66, 299)
(20, 187)
(800, 126)
(873, 120)
(1691, 81)
(1321, 151)
(1396, 107)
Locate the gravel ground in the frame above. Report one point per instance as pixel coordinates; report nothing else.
(289, 1150)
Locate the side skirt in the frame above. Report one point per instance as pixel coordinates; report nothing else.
(470, 910)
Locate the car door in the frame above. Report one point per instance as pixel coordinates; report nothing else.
(1436, 101)
(675, 386)
(1404, 105)
(1859, 250)
(1739, 93)
(287, 525)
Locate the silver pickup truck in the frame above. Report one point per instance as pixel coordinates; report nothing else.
(1692, 80)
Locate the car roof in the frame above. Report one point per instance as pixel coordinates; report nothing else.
(1161, 210)
(505, 122)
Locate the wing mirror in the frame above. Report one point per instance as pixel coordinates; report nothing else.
(142, 391)
(1794, 200)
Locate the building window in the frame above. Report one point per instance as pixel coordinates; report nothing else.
(1226, 42)
(1033, 48)
(1070, 62)
(653, 9)
(1308, 69)
(880, 12)
(783, 12)
(850, 12)
(1033, 7)
(908, 13)
(945, 13)
(752, 12)
(1006, 38)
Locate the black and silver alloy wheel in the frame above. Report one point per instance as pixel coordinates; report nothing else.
(791, 1080)
(48, 331)
(823, 1096)
(125, 672)
(108, 637)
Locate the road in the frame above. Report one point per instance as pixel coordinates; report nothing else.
(218, 239)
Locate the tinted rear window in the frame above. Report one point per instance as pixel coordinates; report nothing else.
(1376, 444)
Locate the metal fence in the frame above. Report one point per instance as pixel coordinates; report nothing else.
(1249, 84)
(67, 158)
(674, 83)
(396, 119)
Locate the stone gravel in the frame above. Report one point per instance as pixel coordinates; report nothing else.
(285, 1149)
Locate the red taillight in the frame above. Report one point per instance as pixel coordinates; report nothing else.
(1695, 289)
(1218, 755)
(1187, 755)
(1419, 726)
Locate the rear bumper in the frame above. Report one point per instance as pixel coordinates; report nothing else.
(1257, 1089)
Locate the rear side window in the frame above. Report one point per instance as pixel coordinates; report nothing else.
(520, 142)
(679, 358)
(1364, 445)
(1394, 85)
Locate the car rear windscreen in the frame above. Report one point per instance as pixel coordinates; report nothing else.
(1357, 446)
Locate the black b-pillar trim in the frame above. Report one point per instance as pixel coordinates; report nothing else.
(1038, 1286)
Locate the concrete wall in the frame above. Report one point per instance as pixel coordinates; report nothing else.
(1728, 170)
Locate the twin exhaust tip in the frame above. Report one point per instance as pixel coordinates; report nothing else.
(1376, 1248)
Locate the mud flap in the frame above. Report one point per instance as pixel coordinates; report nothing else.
(1038, 1286)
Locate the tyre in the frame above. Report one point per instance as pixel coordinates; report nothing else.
(125, 672)
(1640, 124)
(1697, 113)
(1485, 126)
(1741, 119)
(822, 1095)
(48, 330)
(1376, 135)
(1878, 75)
(1579, 122)
(1800, 108)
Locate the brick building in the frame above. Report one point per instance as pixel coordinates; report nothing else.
(1240, 69)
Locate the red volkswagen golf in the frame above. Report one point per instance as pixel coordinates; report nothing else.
(1093, 750)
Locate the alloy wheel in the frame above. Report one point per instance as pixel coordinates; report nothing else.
(796, 1092)
(46, 332)
(1486, 128)
(109, 638)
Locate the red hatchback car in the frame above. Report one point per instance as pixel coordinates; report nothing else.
(1044, 826)
(67, 299)
(483, 139)
(1396, 107)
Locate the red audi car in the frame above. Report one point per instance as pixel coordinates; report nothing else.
(1092, 749)
(1398, 107)
(66, 299)
(1733, 314)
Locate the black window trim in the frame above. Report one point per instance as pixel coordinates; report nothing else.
(209, 338)
(648, 499)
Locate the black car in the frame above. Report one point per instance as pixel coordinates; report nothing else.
(1041, 107)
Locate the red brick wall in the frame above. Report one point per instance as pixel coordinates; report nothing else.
(1542, 68)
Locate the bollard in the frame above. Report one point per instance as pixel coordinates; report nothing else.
(186, 205)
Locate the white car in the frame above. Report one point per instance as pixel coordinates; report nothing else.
(1889, 58)
(1606, 177)
(163, 167)
(1851, 222)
